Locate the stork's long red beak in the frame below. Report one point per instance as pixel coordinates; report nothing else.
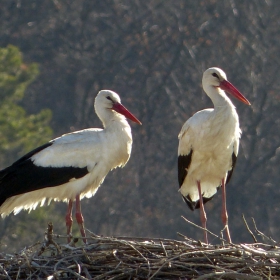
(122, 110)
(230, 88)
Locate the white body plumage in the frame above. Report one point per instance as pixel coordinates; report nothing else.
(213, 135)
(70, 165)
(208, 146)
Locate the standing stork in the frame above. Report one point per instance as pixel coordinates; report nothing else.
(72, 166)
(208, 147)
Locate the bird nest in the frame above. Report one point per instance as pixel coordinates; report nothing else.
(141, 258)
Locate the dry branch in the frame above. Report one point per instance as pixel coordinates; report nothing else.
(141, 258)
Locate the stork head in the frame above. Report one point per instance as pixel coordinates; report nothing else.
(109, 100)
(215, 77)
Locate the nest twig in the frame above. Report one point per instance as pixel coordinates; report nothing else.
(142, 258)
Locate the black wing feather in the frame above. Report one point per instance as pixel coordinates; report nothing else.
(195, 204)
(30, 154)
(24, 176)
(183, 165)
(233, 162)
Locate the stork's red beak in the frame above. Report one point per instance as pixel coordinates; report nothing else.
(230, 88)
(122, 110)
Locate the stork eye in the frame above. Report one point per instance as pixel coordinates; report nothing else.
(215, 75)
(109, 98)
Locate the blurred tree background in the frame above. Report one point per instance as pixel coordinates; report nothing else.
(18, 132)
(153, 53)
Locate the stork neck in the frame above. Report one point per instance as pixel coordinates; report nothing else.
(108, 116)
(115, 122)
(218, 97)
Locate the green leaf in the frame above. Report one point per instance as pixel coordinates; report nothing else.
(19, 132)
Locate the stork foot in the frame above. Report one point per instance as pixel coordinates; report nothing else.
(226, 229)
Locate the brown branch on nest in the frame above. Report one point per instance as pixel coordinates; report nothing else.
(49, 240)
(141, 258)
(249, 230)
(264, 237)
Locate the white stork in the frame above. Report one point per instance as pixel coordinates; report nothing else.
(208, 147)
(72, 166)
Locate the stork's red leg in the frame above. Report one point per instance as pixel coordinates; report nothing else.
(69, 220)
(224, 210)
(80, 218)
(203, 216)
